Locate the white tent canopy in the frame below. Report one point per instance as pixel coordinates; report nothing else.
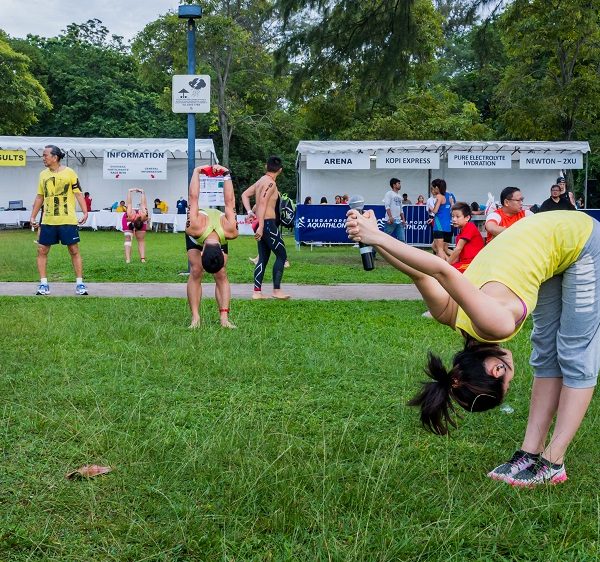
(467, 184)
(85, 156)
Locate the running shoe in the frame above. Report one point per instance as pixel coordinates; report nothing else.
(43, 289)
(539, 473)
(81, 289)
(517, 463)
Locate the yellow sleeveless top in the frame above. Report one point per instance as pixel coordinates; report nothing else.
(525, 255)
(213, 224)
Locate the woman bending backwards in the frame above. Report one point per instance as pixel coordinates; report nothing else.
(547, 265)
(135, 221)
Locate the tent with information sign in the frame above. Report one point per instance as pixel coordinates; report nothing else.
(86, 156)
(470, 168)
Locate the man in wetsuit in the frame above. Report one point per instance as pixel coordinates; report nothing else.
(267, 233)
(206, 235)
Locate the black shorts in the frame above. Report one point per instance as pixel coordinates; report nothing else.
(191, 244)
(66, 234)
(439, 234)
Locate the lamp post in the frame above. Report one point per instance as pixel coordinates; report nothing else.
(191, 13)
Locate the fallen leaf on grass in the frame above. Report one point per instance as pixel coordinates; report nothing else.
(88, 471)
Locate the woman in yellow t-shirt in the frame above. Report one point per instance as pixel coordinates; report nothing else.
(547, 265)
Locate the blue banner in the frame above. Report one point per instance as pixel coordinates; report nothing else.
(327, 223)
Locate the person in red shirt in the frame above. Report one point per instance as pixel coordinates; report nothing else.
(469, 241)
(88, 200)
(511, 211)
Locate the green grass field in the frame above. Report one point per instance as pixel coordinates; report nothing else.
(103, 260)
(286, 439)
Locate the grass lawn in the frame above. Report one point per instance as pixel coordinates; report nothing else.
(103, 260)
(287, 439)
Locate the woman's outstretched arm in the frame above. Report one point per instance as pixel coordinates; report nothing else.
(450, 288)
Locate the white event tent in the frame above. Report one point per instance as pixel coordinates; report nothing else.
(85, 156)
(470, 168)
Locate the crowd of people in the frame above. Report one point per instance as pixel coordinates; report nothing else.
(483, 290)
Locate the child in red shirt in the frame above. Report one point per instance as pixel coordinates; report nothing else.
(469, 241)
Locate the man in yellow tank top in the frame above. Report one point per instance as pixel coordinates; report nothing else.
(58, 189)
(206, 235)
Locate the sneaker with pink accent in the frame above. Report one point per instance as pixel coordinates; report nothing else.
(543, 471)
(518, 462)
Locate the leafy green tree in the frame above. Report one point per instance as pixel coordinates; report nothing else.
(550, 88)
(383, 43)
(24, 99)
(230, 47)
(93, 84)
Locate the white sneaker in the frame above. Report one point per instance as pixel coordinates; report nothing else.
(43, 289)
(81, 289)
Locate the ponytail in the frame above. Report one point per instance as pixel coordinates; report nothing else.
(467, 383)
(55, 151)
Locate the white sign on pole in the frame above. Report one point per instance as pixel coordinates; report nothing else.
(190, 93)
(339, 161)
(479, 160)
(404, 160)
(134, 165)
(552, 160)
(211, 192)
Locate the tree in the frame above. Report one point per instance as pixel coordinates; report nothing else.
(383, 44)
(24, 99)
(93, 84)
(234, 55)
(550, 88)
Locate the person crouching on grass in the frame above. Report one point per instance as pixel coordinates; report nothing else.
(468, 242)
(206, 235)
(546, 265)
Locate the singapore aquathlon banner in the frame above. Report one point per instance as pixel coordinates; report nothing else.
(327, 223)
(134, 165)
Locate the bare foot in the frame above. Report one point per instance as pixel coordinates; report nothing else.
(227, 324)
(143, 260)
(257, 296)
(280, 295)
(195, 324)
(253, 260)
(286, 264)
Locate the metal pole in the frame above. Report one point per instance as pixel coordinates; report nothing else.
(191, 120)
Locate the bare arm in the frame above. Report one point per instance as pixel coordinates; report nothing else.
(453, 257)
(489, 315)
(82, 206)
(230, 219)
(494, 228)
(37, 205)
(250, 192)
(143, 204)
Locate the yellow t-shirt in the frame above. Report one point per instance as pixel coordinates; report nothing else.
(57, 189)
(120, 209)
(163, 207)
(525, 255)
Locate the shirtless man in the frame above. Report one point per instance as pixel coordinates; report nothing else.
(207, 232)
(267, 233)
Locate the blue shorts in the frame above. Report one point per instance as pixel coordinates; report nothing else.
(566, 321)
(66, 234)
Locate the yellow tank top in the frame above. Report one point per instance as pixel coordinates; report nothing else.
(213, 224)
(525, 255)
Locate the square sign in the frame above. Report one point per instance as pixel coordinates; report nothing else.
(191, 93)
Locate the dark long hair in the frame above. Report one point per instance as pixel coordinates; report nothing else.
(467, 384)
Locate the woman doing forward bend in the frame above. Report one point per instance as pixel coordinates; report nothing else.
(547, 265)
(134, 222)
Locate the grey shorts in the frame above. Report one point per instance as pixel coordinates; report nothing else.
(566, 321)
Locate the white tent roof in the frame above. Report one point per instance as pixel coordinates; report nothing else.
(94, 148)
(313, 147)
